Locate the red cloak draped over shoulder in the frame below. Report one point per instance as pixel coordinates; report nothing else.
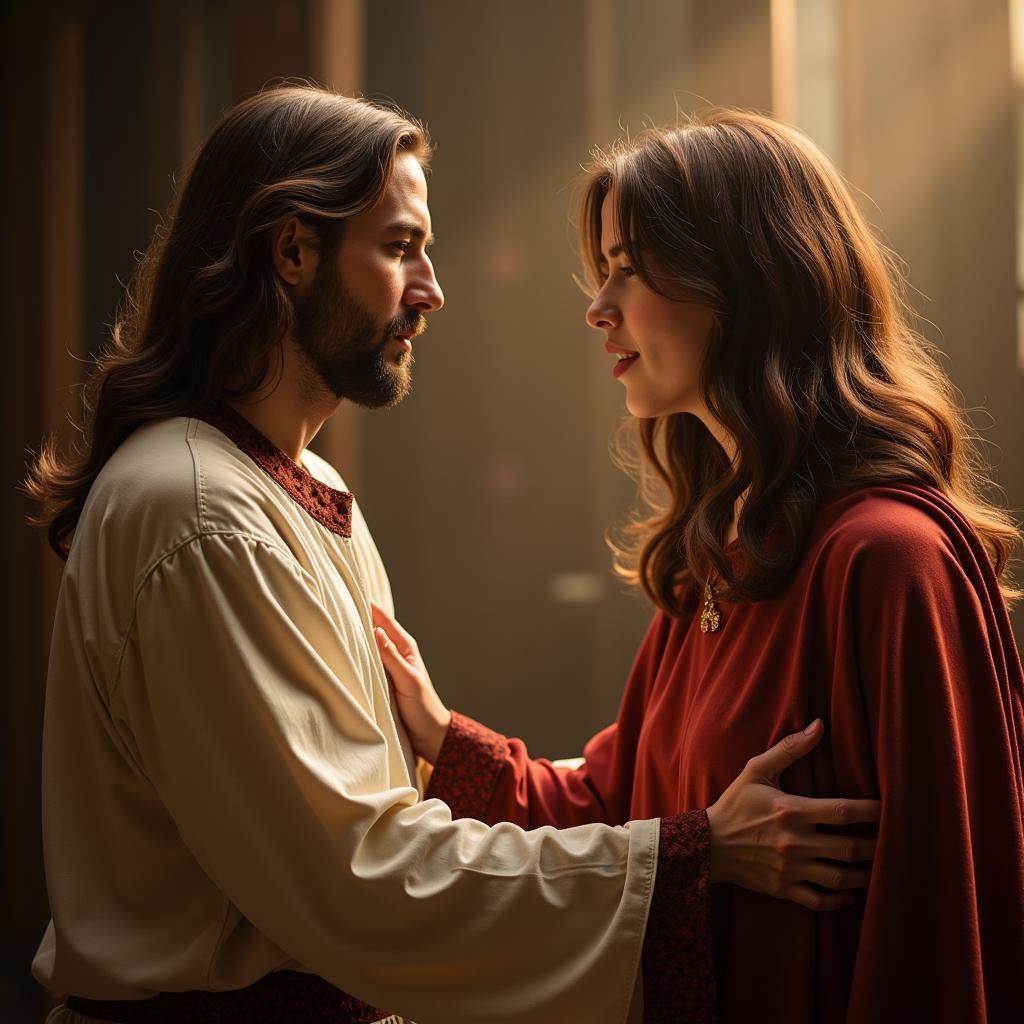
(892, 629)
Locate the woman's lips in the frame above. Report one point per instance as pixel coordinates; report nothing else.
(624, 357)
(622, 365)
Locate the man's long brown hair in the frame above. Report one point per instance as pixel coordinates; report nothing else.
(205, 312)
(813, 366)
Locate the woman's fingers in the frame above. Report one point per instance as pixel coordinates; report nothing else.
(406, 676)
(393, 661)
(422, 711)
(402, 639)
(386, 621)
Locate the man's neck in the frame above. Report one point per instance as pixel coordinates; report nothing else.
(282, 408)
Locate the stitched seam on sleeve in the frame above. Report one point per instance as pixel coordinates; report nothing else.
(193, 447)
(186, 542)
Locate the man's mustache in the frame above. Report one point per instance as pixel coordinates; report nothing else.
(410, 325)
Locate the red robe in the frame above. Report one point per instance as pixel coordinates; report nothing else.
(892, 630)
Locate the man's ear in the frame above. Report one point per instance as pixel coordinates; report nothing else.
(295, 253)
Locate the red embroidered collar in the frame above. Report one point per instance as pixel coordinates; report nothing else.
(327, 505)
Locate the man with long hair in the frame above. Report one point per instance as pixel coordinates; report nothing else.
(234, 827)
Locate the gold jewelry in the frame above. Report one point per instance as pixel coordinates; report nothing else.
(710, 617)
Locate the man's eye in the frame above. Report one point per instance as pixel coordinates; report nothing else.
(400, 247)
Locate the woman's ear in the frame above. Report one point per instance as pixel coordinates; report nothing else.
(295, 254)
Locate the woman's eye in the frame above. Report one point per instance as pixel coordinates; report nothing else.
(627, 271)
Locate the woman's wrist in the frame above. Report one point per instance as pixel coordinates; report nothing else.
(433, 739)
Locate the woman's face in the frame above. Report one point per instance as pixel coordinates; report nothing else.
(658, 343)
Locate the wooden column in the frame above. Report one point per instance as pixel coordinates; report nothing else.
(42, 314)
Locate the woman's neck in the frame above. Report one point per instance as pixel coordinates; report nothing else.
(728, 444)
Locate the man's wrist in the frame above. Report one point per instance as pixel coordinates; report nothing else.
(678, 959)
(715, 854)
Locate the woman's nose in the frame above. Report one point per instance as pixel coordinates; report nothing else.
(602, 314)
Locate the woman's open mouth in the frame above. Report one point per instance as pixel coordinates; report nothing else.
(623, 359)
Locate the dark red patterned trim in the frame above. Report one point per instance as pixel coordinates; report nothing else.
(276, 997)
(468, 765)
(326, 504)
(678, 962)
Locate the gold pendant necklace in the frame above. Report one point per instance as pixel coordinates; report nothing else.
(710, 618)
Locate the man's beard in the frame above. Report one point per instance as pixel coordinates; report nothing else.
(345, 346)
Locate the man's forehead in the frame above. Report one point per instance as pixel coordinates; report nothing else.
(401, 209)
(407, 211)
(405, 198)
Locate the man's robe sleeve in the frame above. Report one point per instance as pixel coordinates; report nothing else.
(484, 775)
(255, 719)
(925, 659)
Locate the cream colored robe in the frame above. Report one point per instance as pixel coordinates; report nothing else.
(227, 790)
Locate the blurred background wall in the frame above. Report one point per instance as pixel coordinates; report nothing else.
(489, 490)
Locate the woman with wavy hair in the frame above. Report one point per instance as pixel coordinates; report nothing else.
(815, 536)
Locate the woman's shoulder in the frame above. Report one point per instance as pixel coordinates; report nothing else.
(886, 511)
(895, 528)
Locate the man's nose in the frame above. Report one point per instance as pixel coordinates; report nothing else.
(424, 294)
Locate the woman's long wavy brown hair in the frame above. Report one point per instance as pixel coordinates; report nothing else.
(813, 368)
(205, 312)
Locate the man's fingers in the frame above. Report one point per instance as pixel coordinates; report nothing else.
(812, 899)
(834, 876)
(844, 848)
(834, 810)
(774, 761)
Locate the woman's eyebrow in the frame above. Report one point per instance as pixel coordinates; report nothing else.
(614, 251)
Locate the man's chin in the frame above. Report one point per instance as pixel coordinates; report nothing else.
(389, 388)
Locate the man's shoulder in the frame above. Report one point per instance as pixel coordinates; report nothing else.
(176, 479)
(150, 474)
(141, 505)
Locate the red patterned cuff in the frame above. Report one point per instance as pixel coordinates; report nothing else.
(678, 964)
(467, 769)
